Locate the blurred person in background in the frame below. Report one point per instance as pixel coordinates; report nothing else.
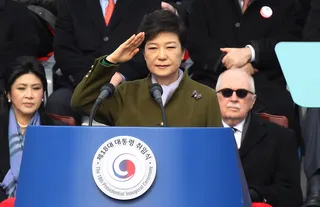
(17, 35)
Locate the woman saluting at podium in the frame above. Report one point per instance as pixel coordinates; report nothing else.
(162, 38)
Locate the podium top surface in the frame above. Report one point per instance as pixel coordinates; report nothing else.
(301, 69)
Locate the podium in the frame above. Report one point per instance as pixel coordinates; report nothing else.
(194, 167)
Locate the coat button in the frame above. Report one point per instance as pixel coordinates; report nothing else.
(237, 24)
(106, 39)
(161, 124)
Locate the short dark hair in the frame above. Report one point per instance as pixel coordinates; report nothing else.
(162, 21)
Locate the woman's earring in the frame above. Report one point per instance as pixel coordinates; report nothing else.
(9, 100)
(42, 100)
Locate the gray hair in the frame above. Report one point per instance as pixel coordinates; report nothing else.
(240, 72)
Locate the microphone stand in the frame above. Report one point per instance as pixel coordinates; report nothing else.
(105, 91)
(156, 92)
(163, 114)
(93, 111)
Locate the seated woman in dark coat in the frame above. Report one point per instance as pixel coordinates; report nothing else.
(21, 105)
(187, 103)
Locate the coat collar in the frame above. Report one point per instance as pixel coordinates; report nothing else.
(96, 15)
(183, 83)
(255, 132)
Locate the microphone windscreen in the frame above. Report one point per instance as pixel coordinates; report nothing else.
(109, 87)
(155, 87)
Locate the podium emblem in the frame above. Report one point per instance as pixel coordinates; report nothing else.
(124, 167)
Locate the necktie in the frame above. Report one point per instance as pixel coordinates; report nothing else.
(234, 130)
(109, 11)
(245, 5)
(237, 136)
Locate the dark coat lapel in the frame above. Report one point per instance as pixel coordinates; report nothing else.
(121, 9)
(97, 16)
(255, 132)
(237, 3)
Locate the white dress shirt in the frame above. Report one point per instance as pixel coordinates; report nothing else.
(104, 4)
(238, 132)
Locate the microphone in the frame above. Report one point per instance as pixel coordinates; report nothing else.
(156, 92)
(106, 90)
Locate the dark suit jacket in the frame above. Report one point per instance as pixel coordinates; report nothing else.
(304, 11)
(269, 156)
(17, 34)
(82, 36)
(215, 24)
(312, 27)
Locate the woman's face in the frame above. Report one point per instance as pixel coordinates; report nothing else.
(163, 55)
(26, 94)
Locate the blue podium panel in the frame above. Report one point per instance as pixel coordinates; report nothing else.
(195, 167)
(300, 66)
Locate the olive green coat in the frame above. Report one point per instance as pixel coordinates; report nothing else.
(132, 105)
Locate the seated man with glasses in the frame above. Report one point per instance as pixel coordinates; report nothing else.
(268, 152)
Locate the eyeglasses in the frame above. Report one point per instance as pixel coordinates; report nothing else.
(241, 93)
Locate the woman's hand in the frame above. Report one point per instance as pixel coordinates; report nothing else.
(126, 50)
(116, 79)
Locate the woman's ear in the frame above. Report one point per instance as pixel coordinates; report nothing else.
(183, 53)
(8, 96)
